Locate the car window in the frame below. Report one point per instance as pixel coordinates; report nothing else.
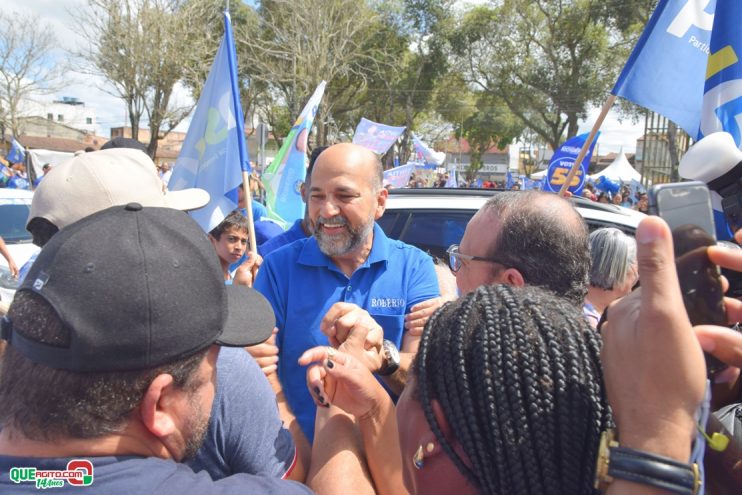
(13, 223)
(435, 230)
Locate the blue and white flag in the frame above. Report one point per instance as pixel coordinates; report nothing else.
(214, 153)
(666, 72)
(376, 137)
(452, 180)
(286, 173)
(562, 161)
(428, 154)
(398, 177)
(16, 154)
(722, 99)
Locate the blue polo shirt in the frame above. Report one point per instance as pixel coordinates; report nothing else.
(302, 284)
(294, 233)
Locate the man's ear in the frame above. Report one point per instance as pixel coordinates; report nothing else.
(512, 276)
(381, 197)
(156, 407)
(303, 192)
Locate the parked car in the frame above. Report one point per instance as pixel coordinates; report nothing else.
(433, 219)
(14, 207)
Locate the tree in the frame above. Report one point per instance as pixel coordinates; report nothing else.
(548, 60)
(144, 48)
(26, 66)
(299, 43)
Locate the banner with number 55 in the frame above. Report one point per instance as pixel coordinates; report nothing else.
(562, 161)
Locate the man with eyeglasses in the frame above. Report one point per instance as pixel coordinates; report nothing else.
(520, 238)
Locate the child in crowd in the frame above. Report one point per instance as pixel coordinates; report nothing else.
(230, 242)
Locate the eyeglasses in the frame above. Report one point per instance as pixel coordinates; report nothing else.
(455, 257)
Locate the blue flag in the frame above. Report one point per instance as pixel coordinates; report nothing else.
(722, 100)
(666, 71)
(16, 153)
(286, 173)
(214, 153)
(376, 137)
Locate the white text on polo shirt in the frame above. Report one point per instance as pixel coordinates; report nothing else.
(387, 302)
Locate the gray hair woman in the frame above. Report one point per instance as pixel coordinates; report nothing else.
(613, 270)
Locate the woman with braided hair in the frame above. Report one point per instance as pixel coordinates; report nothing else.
(506, 397)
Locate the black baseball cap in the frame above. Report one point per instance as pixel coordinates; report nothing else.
(137, 287)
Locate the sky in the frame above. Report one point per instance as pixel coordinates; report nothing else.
(110, 110)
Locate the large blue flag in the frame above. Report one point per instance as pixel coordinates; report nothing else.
(214, 152)
(376, 137)
(666, 71)
(286, 173)
(722, 100)
(562, 161)
(16, 153)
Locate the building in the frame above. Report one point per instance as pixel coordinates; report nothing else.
(68, 111)
(495, 161)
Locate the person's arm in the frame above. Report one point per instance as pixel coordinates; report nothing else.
(6, 254)
(343, 382)
(303, 449)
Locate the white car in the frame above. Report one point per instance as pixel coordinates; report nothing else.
(433, 219)
(14, 207)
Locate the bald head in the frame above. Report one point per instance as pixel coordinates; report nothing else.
(349, 158)
(544, 238)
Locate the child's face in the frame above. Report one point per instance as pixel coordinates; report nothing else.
(231, 245)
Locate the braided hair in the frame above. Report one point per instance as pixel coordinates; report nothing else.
(517, 374)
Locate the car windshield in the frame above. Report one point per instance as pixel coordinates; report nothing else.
(13, 223)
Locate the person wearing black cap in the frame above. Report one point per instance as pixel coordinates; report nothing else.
(95, 181)
(111, 384)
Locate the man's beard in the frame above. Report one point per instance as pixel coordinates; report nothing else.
(196, 428)
(345, 243)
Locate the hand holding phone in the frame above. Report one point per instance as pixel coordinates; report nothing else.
(686, 207)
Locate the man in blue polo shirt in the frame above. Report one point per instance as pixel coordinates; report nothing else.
(348, 259)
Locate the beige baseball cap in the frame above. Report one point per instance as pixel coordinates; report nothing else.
(91, 182)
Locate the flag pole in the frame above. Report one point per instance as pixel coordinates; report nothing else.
(581, 156)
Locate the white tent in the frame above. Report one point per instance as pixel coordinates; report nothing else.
(620, 170)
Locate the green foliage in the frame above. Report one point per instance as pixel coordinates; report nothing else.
(548, 60)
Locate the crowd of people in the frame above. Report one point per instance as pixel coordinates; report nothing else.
(153, 357)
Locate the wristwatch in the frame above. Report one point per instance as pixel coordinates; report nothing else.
(644, 468)
(390, 363)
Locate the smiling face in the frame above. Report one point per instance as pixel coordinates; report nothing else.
(345, 199)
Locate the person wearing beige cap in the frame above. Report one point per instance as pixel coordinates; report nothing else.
(95, 181)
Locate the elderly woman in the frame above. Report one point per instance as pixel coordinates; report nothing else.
(613, 271)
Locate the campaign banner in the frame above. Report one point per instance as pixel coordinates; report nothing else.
(399, 176)
(428, 154)
(561, 163)
(376, 137)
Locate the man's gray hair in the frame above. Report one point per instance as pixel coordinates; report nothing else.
(612, 253)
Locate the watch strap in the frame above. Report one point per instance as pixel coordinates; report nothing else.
(654, 470)
(389, 365)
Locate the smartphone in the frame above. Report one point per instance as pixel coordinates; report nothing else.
(686, 207)
(683, 203)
